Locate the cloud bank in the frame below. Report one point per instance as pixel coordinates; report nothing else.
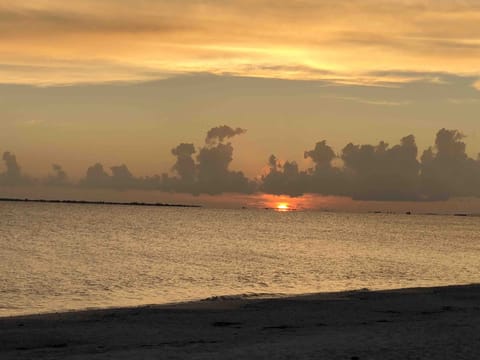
(360, 171)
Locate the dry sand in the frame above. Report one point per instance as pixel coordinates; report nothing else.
(428, 323)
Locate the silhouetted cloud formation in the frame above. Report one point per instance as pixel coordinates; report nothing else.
(380, 172)
(324, 178)
(364, 172)
(220, 133)
(58, 178)
(284, 178)
(214, 176)
(211, 173)
(322, 155)
(120, 178)
(13, 174)
(96, 177)
(447, 170)
(185, 166)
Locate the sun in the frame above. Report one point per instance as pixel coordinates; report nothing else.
(280, 203)
(283, 206)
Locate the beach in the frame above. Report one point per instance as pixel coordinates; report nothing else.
(204, 179)
(417, 323)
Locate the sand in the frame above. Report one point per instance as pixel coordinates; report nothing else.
(425, 323)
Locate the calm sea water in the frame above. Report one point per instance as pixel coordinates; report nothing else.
(58, 257)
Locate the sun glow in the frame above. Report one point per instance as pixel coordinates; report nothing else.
(282, 207)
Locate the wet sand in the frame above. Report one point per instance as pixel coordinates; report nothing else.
(424, 323)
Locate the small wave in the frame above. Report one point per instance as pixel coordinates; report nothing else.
(7, 307)
(244, 296)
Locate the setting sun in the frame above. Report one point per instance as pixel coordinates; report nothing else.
(283, 206)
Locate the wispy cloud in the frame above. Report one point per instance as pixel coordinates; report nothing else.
(125, 40)
(463, 101)
(366, 101)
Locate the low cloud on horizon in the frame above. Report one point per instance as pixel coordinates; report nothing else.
(362, 172)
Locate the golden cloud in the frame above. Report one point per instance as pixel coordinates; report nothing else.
(58, 42)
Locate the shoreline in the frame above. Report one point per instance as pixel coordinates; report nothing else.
(238, 300)
(425, 322)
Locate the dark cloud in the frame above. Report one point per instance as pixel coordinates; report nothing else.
(96, 177)
(363, 172)
(382, 173)
(447, 170)
(324, 177)
(58, 178)
(284, 179)
(369, 172)
(214, 176)
(185, 166)
(322, 155)
(220, 133)
(13, 174)
(120, 178)
(210, 174)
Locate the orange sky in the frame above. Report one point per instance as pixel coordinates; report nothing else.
(122, 81)
(53, 41)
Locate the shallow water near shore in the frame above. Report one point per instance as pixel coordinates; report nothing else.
(58, 257)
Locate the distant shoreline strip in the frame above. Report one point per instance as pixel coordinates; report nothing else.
(86, 202)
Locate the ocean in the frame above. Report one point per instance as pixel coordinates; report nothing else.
(59, 257)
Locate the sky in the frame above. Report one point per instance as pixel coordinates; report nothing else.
(124, 82)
